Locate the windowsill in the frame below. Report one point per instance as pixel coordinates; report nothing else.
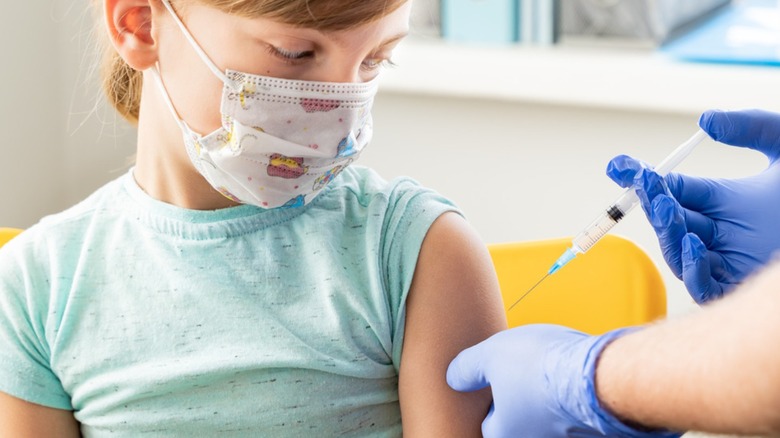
(609, 78)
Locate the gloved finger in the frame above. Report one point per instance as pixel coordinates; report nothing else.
(466, 372)
(668, 222)
(696, 193)
(648, 185)
(665, 218)
(724, 272)
(622, 170)
(701, 225)
(650, 182)
(754, 129)
(491, 426)
(697, 274)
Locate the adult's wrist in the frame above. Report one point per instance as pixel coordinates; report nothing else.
(613, 424)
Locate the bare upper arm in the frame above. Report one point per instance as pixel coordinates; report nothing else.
(22, 419)
(454, 302)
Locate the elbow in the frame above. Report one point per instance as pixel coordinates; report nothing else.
(773, 423)
(771, 426)
(768, 421)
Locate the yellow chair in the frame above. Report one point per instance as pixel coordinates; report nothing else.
(615, 284)
(7, 234)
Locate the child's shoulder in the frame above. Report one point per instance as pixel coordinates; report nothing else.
(105, 198)
(367, 186)
(76, 220)
(360, 193)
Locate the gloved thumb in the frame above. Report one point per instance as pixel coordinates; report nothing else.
(755, 129)
(697, 274)
(466, 372)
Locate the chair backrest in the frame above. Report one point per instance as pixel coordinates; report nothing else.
(7, 234)
(615, 284)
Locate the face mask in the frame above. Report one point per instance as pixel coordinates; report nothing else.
(281, 141)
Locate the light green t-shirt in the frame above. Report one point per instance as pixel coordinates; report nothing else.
(148, 319)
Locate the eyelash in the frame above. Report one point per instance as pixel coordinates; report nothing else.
(379, 64)
(295, 58)
(289, 56)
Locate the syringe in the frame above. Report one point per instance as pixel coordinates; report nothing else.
(620, 208)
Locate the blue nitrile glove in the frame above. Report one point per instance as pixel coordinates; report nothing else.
(542, 378)
(714, 232)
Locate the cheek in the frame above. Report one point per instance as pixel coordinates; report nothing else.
(197, 98)
(200, 103)
(195, 91)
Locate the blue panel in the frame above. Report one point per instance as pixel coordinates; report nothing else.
(747, 32)
(480, 21)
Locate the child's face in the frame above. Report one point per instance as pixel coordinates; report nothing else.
(264, 47)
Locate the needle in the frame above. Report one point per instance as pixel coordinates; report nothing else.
(529, 291)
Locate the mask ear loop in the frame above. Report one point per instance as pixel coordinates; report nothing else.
(209, 63)
(155, 71)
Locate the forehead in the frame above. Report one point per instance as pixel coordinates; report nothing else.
(322, 15)
(384, 29)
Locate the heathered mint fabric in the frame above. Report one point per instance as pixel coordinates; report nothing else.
(152, 320)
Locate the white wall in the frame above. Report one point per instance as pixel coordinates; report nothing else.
(61, 141)
(520, 171)
(30, 115)
(97, 144)
(529, 172)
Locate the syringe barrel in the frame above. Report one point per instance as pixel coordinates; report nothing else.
(680, 153)
(627, 201)
(605, 221)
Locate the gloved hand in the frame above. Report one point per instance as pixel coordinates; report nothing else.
(542, 378)
(714, 232)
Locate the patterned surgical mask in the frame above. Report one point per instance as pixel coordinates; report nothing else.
(281, 141)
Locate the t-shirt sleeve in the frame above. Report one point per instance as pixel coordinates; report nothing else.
(411, 211)
(25, 370)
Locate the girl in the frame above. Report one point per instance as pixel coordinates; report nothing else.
(245, 278)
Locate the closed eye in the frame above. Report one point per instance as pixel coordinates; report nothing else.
(372, 64)
(289, 55)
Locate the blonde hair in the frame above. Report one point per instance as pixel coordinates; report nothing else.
(122, 84)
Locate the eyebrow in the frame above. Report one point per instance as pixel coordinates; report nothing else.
(392, 39)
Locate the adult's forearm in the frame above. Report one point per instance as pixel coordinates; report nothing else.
(717, 370)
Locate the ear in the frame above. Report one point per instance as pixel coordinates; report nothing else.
(132, 34)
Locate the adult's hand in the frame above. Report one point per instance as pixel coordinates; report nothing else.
(714, 232)
(542, 378)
